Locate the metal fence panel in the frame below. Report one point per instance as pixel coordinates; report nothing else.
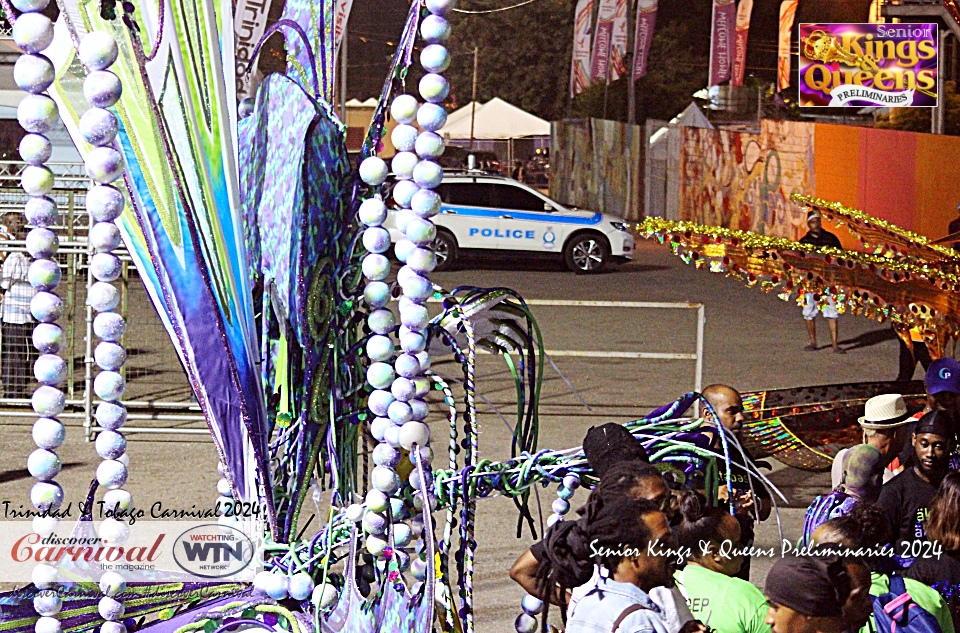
(157, 388)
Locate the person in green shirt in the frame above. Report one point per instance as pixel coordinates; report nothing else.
(711, 538)
(866, 528)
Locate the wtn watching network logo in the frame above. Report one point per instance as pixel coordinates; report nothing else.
(213, 551)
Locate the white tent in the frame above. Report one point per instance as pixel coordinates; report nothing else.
(662, 163)
(356, 103)
(495, 119)
(462, 113)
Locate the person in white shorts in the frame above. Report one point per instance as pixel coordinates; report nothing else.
(817, 236)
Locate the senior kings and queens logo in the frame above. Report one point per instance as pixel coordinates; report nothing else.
(863, 65)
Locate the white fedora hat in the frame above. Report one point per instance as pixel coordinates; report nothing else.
(885, 411)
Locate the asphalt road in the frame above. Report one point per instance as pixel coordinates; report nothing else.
(752, 341)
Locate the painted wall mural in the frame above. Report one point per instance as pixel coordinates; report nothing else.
(597, 164)
(744, 181)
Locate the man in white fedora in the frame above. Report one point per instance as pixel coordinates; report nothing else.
(884, 427)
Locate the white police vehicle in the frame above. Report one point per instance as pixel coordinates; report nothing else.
(488, 212)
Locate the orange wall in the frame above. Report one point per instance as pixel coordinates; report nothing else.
(937, 184)
(907, 178)
(836, 154)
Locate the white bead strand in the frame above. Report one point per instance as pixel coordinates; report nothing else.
(104, 164)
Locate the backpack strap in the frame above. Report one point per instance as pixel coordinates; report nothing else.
(897, 585)
(623, 616)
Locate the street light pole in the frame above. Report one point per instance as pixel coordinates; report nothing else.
(938, 113)
(473, 100)
(631, 60)
(343, 76)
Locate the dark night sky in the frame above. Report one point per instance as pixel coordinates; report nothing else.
(373, 28)
(376, 24)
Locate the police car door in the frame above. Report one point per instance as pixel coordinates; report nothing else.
(468, 212)
(525, 225)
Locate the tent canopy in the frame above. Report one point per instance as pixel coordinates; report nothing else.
(692, 116)
(495, 119)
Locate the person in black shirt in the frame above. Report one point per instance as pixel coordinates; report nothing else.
(817, 236)
(942, 571)
(906, 498)
(942, 381)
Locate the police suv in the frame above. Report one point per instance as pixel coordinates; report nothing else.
(483, 211)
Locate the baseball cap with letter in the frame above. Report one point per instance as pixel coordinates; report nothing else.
(943, 375)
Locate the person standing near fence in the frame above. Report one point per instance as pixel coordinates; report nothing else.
(11, 219)
(16, 347)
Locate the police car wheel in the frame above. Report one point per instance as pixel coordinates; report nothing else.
(445, 248)
(587, 253)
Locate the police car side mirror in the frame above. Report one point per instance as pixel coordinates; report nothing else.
(547, 206)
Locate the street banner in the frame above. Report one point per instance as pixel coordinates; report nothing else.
(341, 15)
(643, 36)
(740, 45)
(788, 10)
(618, 44)
(580, 64)
(868, 65)
(249, 23)
(721, 41)
(602, 41)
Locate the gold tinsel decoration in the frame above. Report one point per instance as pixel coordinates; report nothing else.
(884, 237)
(909, 293)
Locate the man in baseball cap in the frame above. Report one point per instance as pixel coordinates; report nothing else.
(884, 425)
(943, 394)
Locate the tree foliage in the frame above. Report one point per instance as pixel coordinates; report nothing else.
(674, 72)
(918, 119)
(524, 56)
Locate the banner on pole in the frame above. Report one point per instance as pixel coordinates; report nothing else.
(249, 23)
(643, 36)
(602, 42)
(618, 43)
(580, 77)
(740, 44)
(721, 41)
(868, 65)
(341, 15)
(788, 11)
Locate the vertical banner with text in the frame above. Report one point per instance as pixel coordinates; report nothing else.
(740, 45)
(249, 23)
(602, 39)
(618, 44)
(643, 36)
(580, 64)
(788, 11)
(341, 15)
(721, 41)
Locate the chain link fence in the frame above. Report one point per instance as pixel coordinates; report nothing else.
(158, 394)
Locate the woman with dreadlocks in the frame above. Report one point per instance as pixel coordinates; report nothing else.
(629, 478)
(630, 540)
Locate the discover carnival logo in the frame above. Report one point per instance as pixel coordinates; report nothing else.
(148, 551)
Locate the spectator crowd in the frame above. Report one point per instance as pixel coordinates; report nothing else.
(879, 552)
